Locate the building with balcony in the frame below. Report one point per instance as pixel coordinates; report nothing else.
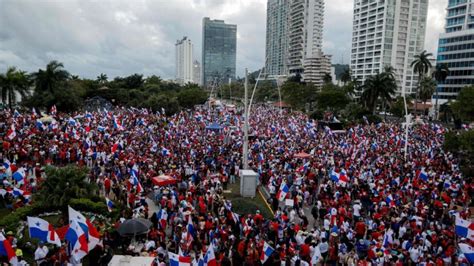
(388, 33)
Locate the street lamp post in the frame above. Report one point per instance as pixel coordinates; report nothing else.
(245, 152)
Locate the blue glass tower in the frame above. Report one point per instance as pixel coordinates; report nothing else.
(219, 47)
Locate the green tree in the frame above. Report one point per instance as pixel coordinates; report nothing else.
(12, 82)
(382, 87)
(327, 78)
(63, 184)
(440, 75)
(102, 79)
(191, 96)
(51, 78)
(346, 76)
(297, 95)
(462, 145)
(167, 101)
(463, 107)
(332, 98)
(421, 65)
(427, 88)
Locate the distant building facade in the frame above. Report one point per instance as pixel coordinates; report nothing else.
(294, 39)
(276, 49)
(456, 49)
(219, 48)
(184, 61)
(388, 33)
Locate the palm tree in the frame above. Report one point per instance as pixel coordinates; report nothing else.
(102, 78)
(427, 88)
(346, 76)
(421, 65)
(12, 82)
(327, 78)
(47, 80)
(440, 74)
(380, 86)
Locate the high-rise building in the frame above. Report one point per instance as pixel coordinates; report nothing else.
(315, 68)
(388, 33)
(184, 61)
(219, 46)
(456, 49)
(305, 32)
(276, 50)
(197, 72)
(294, 39)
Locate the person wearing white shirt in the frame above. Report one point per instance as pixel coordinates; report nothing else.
(41, 253)
(415, 253)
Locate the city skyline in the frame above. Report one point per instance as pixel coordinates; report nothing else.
(121, 38)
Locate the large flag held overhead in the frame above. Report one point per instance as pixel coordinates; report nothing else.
(42, 230)
(78, 240)
(92, 235)
(210, 257)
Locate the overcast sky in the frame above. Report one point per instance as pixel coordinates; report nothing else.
(123, 37)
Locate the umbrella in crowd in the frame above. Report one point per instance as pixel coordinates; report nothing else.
(135, 226)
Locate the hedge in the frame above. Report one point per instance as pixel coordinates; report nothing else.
(11, 221)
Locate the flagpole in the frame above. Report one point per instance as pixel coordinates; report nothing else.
(245, 159)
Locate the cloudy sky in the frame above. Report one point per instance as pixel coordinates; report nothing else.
(123, 37)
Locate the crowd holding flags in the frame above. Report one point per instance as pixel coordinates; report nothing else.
(366, 164)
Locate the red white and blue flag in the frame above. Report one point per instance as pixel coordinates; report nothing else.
(78, 241)
(464, 228)
(266, 253)
(7, 250)
(92, 235)
(110, 204)
(179, 260)
(284, 189)
(42, 230)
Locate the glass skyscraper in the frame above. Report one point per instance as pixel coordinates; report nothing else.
(456, 49)
(219, 46)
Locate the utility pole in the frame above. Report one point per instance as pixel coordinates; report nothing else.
(245, 160)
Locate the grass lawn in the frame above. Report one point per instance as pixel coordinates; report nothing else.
(247, 205)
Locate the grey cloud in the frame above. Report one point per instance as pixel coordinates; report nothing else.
(122, 37)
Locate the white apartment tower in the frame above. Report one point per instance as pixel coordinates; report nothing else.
(294, 39)
(184, 61)
(388, 33)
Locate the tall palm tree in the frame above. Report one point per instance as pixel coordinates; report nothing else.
(421, 65)
(380, 86)
(346, 76)
(427, 88)
(49, 79)
(102, 78)
(327, 79)
(12, 82)
(440, 75)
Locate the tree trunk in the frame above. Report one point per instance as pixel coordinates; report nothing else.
(417, 94)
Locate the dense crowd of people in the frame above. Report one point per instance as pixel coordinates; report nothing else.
(355, 197)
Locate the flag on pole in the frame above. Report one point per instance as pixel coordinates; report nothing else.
(92, 235)
(11, 133)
